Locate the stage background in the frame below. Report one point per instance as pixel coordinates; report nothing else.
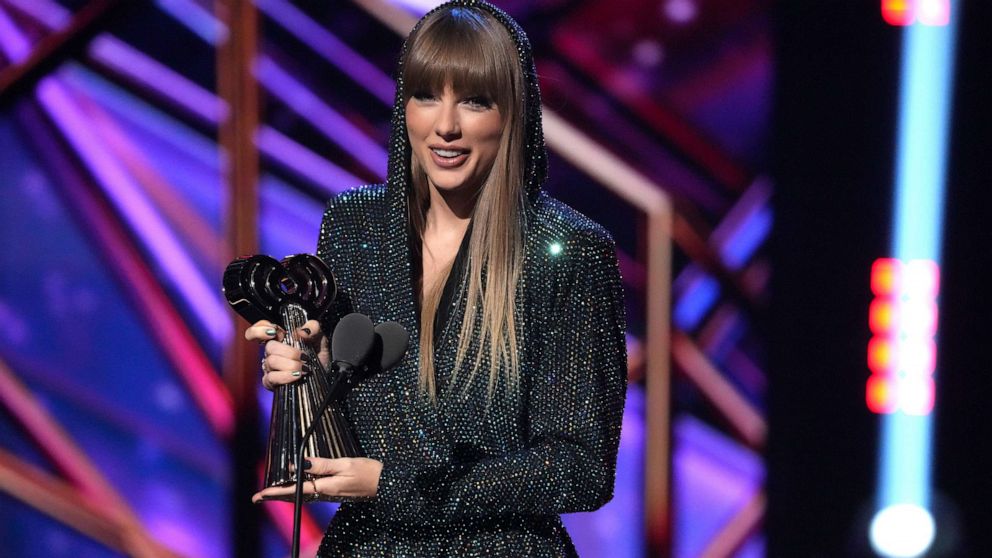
(145, 143)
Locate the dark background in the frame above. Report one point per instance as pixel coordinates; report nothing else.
(836, 98)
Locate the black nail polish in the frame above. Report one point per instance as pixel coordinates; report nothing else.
(307, 464)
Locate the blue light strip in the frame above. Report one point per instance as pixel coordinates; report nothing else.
(924, 111)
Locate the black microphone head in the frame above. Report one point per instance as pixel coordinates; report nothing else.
(352, 339)
(394, 340)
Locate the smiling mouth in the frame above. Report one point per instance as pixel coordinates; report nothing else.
(447, 153)
(448, 158)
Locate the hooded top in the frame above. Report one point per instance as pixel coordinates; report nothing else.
(474, 475)
(536, 161)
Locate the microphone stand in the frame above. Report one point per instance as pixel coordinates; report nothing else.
(393, 343)
(345, 370)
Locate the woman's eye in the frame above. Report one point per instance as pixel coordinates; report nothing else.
(479, 102)
(423, 96)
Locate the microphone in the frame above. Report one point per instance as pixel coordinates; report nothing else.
(353, 342)
(392, 340)
(389, 346)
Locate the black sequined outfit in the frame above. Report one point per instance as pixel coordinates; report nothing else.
(471, 476)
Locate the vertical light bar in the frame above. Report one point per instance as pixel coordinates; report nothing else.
(903, 524)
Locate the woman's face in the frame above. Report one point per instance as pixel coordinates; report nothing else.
(455, 138)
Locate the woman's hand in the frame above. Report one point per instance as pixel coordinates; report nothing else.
(336, 479)
(282, 363)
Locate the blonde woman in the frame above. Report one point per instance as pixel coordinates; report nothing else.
(507, 411)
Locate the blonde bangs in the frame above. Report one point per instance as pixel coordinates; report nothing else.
(460, 50)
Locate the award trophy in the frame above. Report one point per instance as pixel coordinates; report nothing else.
(289, 293)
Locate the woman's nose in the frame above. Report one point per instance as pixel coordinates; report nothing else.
(447, 125)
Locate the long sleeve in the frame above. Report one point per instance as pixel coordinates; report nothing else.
(334, 246)
(574, 399)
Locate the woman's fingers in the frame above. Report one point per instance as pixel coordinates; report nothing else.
(279, 493)
(314, 485)
(282, 369)
(333, 479)
(327, 489)
(283, 358)
(310, 332)
(282, 363)
(275, 348)
(262, 331)
(324, 466)
(282, 378)
(265, 330)
(278, 363)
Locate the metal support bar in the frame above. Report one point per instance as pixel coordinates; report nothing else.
(237, 87)
(68, 505)
(112, 521)
(735, 533)
(55, 48)
(658, 443)
(90, 204)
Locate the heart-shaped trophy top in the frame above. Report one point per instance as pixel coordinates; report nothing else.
(259, 287)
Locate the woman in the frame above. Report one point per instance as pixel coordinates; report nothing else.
(507, 412)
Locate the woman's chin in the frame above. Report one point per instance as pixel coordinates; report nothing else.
(455, 186)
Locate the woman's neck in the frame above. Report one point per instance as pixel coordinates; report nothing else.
(449, 212)
(445, 224)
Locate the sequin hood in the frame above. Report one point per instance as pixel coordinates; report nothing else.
(536, 163)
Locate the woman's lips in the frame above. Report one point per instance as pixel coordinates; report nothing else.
(448, 158)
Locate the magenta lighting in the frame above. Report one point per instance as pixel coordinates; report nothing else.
(902, 353)
(924, 12)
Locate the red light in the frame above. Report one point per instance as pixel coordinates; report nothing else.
(881, 356)
(881, 316)
(885, 276)
(881, 395)
(906, 12)
(898, 12)
(902, 354)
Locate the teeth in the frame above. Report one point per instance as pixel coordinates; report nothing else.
(447, 152)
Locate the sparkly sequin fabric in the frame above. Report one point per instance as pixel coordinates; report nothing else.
(472, 475)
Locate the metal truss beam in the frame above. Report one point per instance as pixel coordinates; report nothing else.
(56, 47)
(88, 502)
(238, 88)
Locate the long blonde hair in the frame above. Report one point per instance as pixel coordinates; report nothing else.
(468, 49)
